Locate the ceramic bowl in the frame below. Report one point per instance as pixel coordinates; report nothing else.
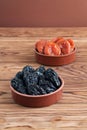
(38, 100)
(55, 60)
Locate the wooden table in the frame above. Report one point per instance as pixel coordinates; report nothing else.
(16, 51)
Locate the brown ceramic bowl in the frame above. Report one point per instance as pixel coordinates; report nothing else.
(55, 60)
(39, 100)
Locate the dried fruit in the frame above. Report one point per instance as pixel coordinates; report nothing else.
(47, 85)
(52, 76)
(18, 85)
(19, 75)
(56, 50)
(28, 69)
(36, 82)
(58, 46)
(30, 79)
(52, 49)
(40, 71)
(40, 45)
(48, 48)
(32, 90)
(71, 44)
(65, 47)
(57, 39)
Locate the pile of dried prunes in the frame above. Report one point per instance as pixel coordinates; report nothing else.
(38, 81)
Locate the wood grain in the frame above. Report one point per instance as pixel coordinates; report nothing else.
(35, 32)
(16, 51)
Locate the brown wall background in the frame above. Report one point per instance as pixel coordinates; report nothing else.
(43, 13)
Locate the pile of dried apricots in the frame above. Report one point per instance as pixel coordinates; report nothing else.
(58, 46)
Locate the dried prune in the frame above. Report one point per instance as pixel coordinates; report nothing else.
(28, 69)
(47, 86)
(40, 71)
(41, 81)
(18, 85)
(32, 90)
(42, 77)
(52, 76)
(35, 90)
(15, 83)
(49, 90)
(51, 85)
(36, 82)
(19, 75)
(41, 90)
(31, 79)
(21, 89)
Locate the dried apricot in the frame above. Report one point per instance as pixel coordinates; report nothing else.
(56, 49)
(48, 48)
(51, 49)
(57, 39)
(57, 46)
(40, 46)
(60, 41)
(71, 43)
(65, 47)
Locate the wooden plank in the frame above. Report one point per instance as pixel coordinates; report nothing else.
(58, 108)
(70, 72)
(26, 32)
(55, 116)
(50, 122)
(62, 121)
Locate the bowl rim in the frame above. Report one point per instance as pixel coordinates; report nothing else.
(44, 55)
(38, 96)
